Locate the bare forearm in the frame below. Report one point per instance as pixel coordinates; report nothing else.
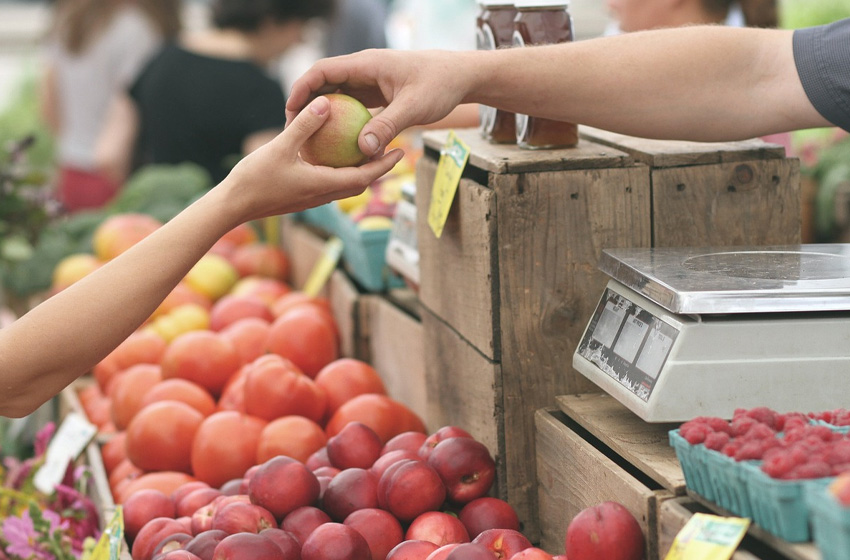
(79, 326)
(697, 83)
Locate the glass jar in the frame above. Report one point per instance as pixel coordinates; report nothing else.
(495, 30)
(543, 22)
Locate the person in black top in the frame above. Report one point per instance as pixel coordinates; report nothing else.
(207, 98)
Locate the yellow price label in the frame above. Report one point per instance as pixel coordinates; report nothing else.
(453, 158)
(108, 547)
(324, 267)
(708, 537)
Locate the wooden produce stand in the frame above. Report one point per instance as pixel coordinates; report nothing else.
(508, 288)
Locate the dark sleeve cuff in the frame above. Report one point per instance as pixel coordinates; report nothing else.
(822, 57)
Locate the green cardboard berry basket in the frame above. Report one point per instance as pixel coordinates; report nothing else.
(693, 459)
(830, 524)
(364, 254)
(729, 480)
(324, 217)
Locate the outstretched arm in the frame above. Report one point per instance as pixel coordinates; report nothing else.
(705, 83)
(61, 339)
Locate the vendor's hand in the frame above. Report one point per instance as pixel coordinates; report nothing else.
(273, 179)
(415, 87)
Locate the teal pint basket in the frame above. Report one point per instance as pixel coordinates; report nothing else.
(693, 459)
(830, 524)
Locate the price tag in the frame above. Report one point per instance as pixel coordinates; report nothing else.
(453, 158)
(708, 537)
(324, 267)
(73, 435)
(402, 249)
(108, 547)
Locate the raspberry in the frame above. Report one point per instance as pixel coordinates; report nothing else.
(741, 425)
(717, 440)
(764, 415)
(750, 451)
(718, 424)
(730, 449)
(840, 469)
(822, 432)
(839, 452)
(778, 465)
(841, 417)
(694, 433)
(759, 431)
(791, 420)
(813, 469)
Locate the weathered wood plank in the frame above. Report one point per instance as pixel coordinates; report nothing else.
(755, 202)
(457, 271)
(674, 153)
(508, 158)
(645, 445)
(574, 475)
(397, 350)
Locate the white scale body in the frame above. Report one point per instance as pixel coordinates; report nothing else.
(680, 333)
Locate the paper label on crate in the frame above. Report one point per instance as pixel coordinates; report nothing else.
(73, 435)
(108, 547)
(324, 267)
(453, 158)
(708, 537)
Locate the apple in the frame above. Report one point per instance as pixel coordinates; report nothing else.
(465, 466)
(336, 541)
(190, 503)
(437, 527)
(152, 534)
(286, 541)
(356, 445)
(303, 521)
(410, 488)
(141, 507)
(171, 542)
(503, 543)
(335, 143)
(607, 530)
(247, 545)
(410, 441)
(203, 544)
(412, 550)
(532, 553)
(349, 491)
(379, 527)
(470, 551)
(241, 518)
(434, 438)
(282, 484)
(384, 461)
(488, 513)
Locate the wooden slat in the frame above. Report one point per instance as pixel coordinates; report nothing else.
(464, 389)
(674, 153)
(304, 247)
(507, 158)
(645, 445)
(397, 350)
(458, 270)
(344, 300)
(574, 475)
(756, 202)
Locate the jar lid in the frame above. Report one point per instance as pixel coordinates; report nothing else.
(540, 3)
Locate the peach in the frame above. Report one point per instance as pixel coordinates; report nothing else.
(410, 441)
(152, 534)
(337, 541)
(143, 506)
(283, 484)
(488, 513)
(410, 488)
(286, 542)
(437, 527)
(303, 521)
(380, 528)
(356, 445)
(503, 543)
(350, 490)
(433, 439)
(204, 543)
(242, 518)
(247, 545)
(607, 530)
(412, 550)
(465, 466)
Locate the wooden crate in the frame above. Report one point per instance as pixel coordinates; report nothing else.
(514, 274)
(395, 346)
(757, 545)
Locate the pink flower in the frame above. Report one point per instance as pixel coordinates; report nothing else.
(21, 537)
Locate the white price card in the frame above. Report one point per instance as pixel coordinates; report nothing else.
(73, 435)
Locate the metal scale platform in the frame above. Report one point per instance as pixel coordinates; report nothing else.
(686, 332)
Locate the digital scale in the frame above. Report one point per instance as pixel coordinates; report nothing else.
(686, 332)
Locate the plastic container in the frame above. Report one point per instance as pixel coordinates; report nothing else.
(830, 524)
(495, 28)
(543, 22)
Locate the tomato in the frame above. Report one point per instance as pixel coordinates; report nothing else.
(249, 336)
(164, 481)
(274, 388)
(225, 446)
(381, 413)
(293, 436)
(160, 436)
(346, 378)
(231, 308)
(201, 356)
(291, 300)
(114, 451)
(129, 389)
(305, 336)
(124, 472)
(184, 391)
(261, 259)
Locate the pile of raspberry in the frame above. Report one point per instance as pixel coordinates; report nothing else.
(789, 446)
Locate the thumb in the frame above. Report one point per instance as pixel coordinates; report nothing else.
(309, 120)
(383, 127)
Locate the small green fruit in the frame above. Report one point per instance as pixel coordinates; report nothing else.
(335, 143)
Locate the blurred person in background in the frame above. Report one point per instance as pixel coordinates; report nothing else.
(355, 26)
(209, 97)
(95, 48)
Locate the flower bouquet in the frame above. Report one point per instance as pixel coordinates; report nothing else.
(63, 525)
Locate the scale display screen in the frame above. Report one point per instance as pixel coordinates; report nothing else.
(628, 343)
